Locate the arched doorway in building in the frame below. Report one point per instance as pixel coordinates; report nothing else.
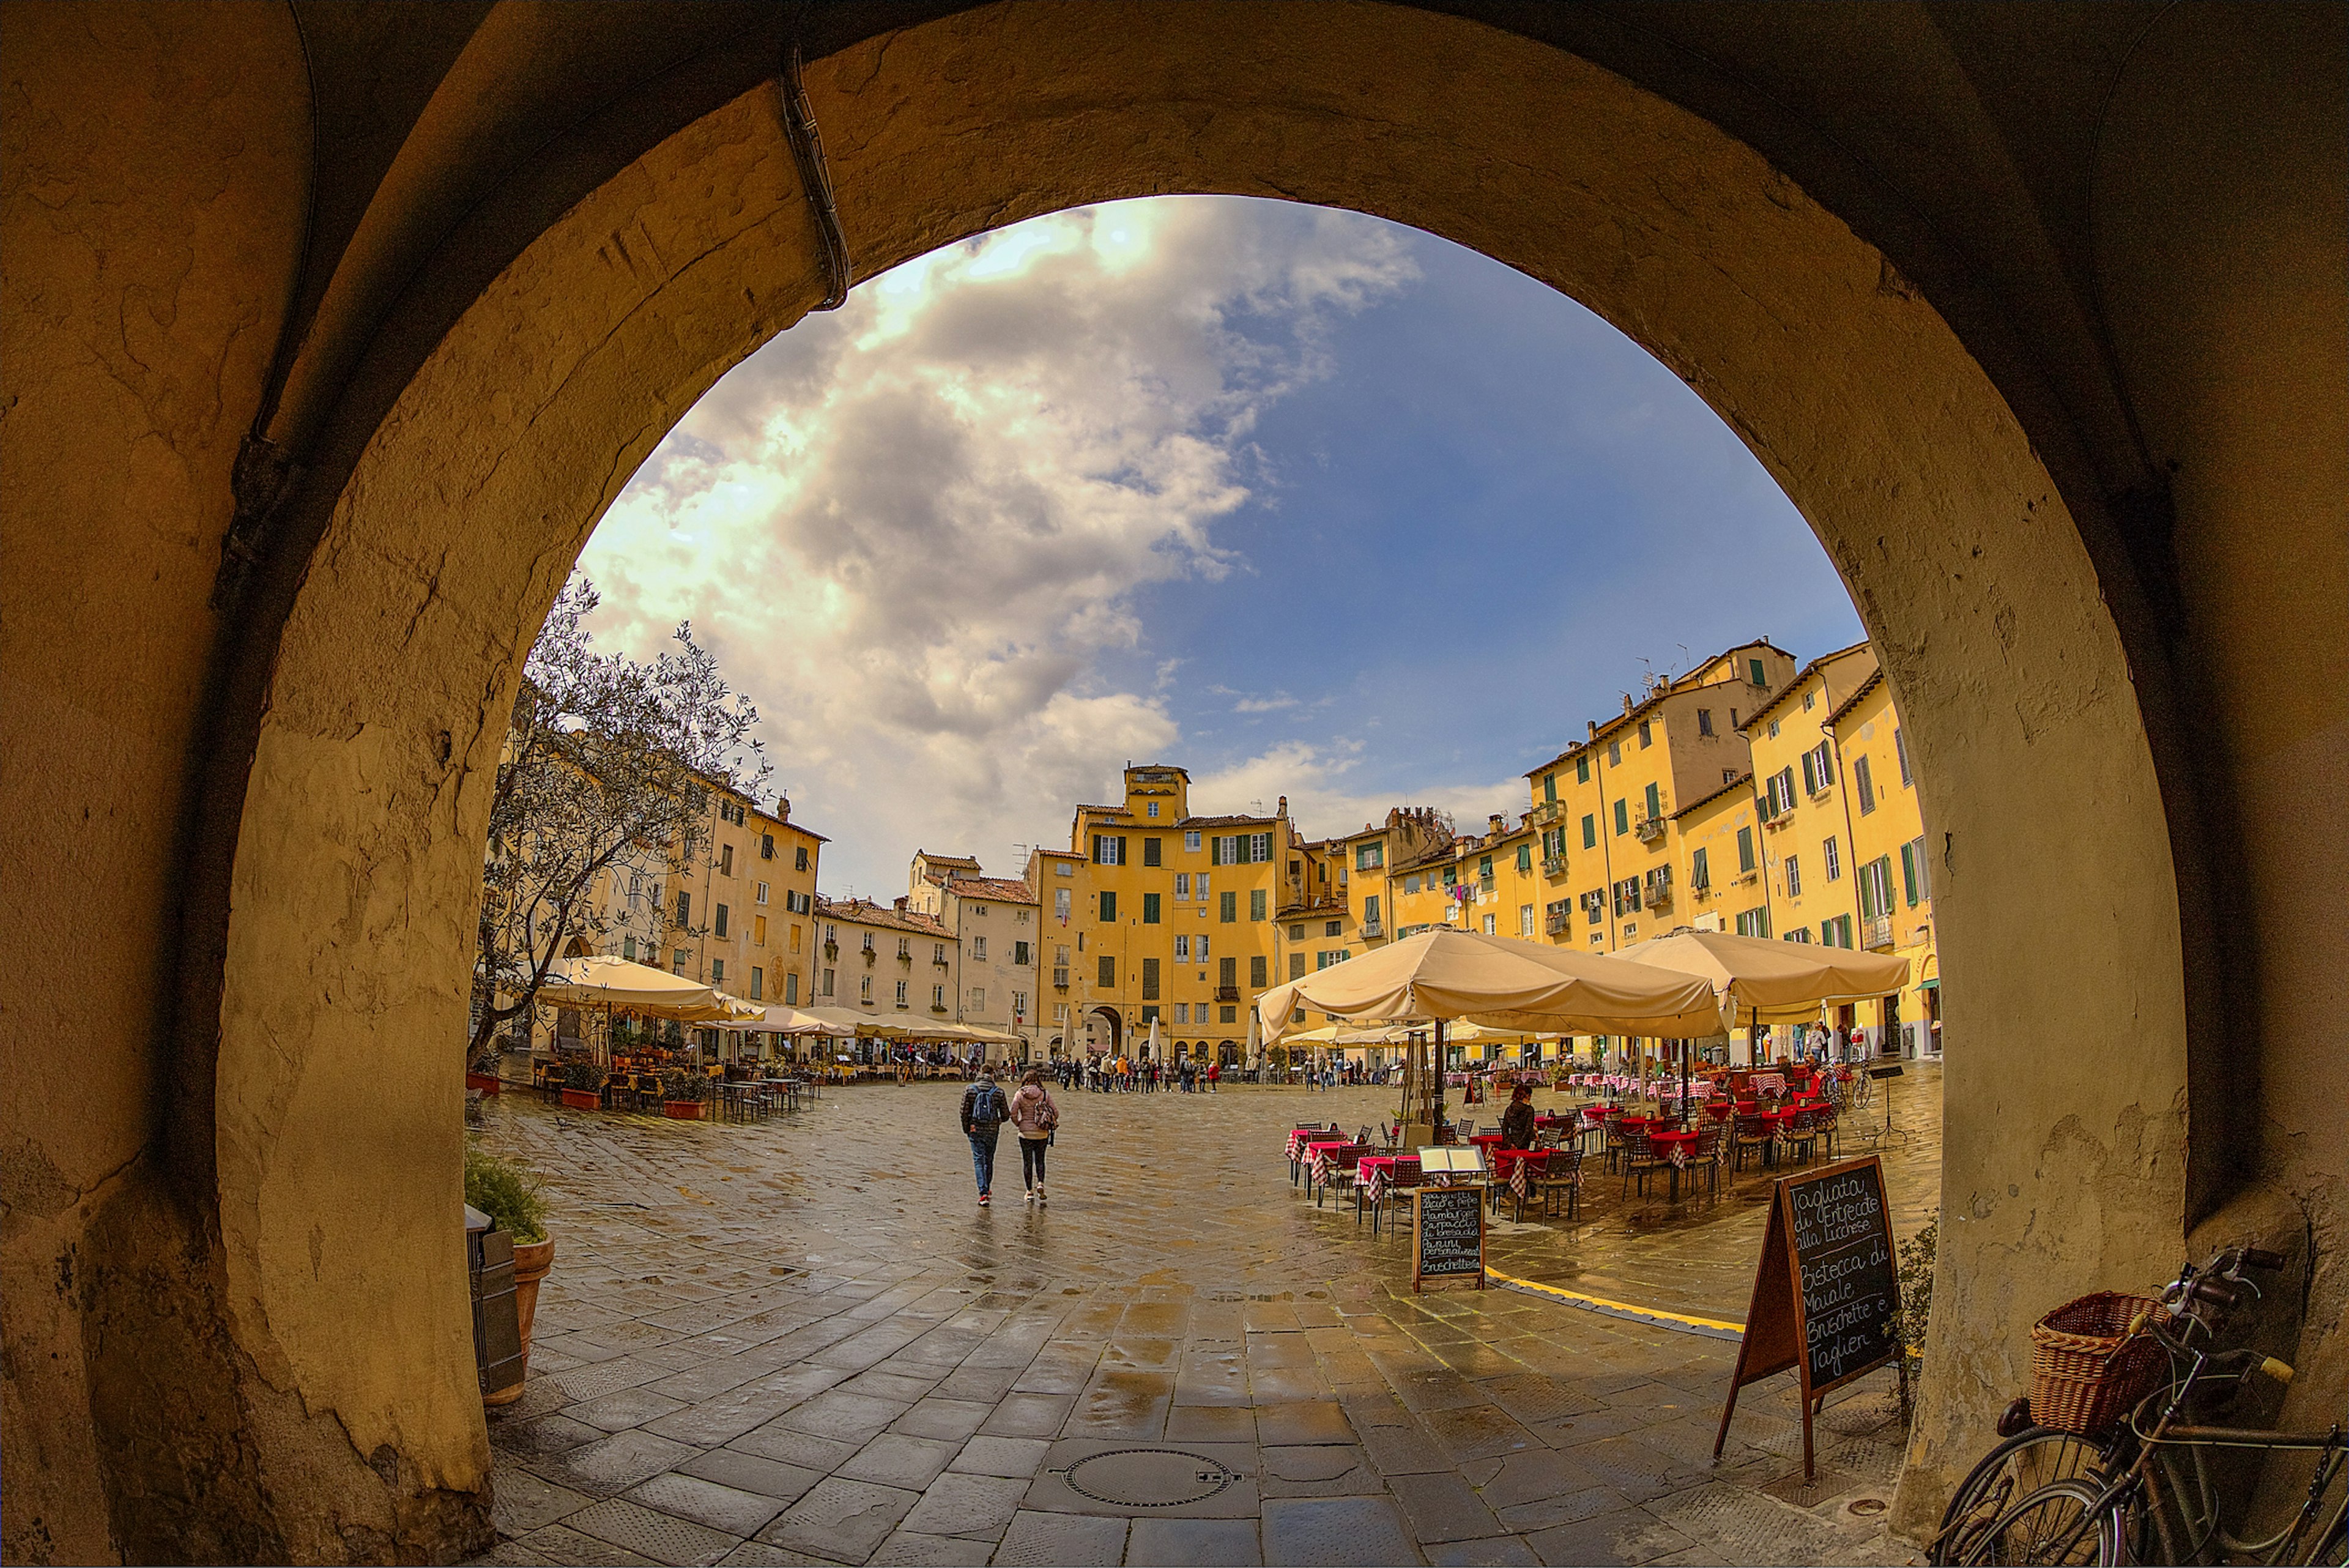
(1105, 1031)
(438, 516)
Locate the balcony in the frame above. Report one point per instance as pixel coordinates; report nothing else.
(1648, 829)
(938, 1007)
(1659, 897)
(905, 958)
(1228, 994)
(1560, 924)
(832, 949)
(1876, 935)
(871, 956)
(1373, 930)
(1781, 820)
(1553, 865)
(1059, 980)
(938, 962)
(1548, 812)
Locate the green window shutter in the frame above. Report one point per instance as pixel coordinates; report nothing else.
(1745, 850)
(1760, 677)
(1150, 980)
(1150, 852)
(1230, 908)
(1256, 903)
(1108, 972)
(1655, 803)
(1589, 831)
(1582, 770)
(1215, 851)
(1549, 789)
(1257, 972)
(1698, 875)
(1228, 972)
(1908, 871)
(1622, 816)
(1150, 908)
(1484, 866)
(1108, 907)
(1524, 856)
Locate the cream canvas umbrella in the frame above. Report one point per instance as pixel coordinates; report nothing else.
(599, 980)
(1761, 980)
(1445, 974)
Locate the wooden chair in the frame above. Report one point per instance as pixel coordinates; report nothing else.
(1560, 1174)
(1707, 1157)
(1343, 1163)
(1751, 1137)
(1638, 1157)
(1802, 1136)
(1401, 1191)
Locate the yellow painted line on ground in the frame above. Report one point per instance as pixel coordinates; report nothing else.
(1707, 1325)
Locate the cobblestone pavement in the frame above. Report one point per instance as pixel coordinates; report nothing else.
(802, 1341)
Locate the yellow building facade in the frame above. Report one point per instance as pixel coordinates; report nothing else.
(893, 964)
(740, 918)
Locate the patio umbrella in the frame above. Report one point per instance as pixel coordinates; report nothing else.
(599, 980)
(1497, 981)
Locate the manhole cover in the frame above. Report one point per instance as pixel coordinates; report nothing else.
(1146, 1478)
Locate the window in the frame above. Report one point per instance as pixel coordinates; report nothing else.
(1484, 867)
(1705, 720)
(1105, 972)
(1191, 843)
(1761, 677)
(1582, 768)
(1151, 809)
(1809, 697)
(1256, 903)
(903, 987)
(799, 903)
(1526, 856)
(865, 989)
(1199, 888)
(1324, 959)
(1063, 868)
(1655, 803)
(1230, 910)
(1259, 970)
(1524, 919)
(1260, 846)
(1863, 786)
(1589, 831)
(1614, 754)
(679, 960)
(1622, 816)
(979, 999)
(1229, 1014)
(759, 894)
(1549, 789)
(1799, 934)
(1061, 905)
(684, 906)
(719, 928)
(1150, 908)
(759, 930)
(827, 982)
(1489, 926)
(978, 950)
(1060, 1012)
(904, 947)
(1108, 850)
(1203, 949)
(629, 949)
(1297, 966)
(1182, 1012)
(1107, 905)
(1594, 906)
(1699, 873)
(1370, 910)
(1022, 955)
(1794, 879)
(830, 932)
(1647, 735)
(800, 859)
(1816, 775)
(1019, 1004)
(1744, 849)
(1916, 879)
(1181, 950)
(1182, 887)
(939, 998)
(726, 859)
(1876, 889)
(1150, 846)
(1773, 729)
(791, 990)
(766, 846)
(1830, 859)
(1228, 972)
(1842, 930)
(795, 936)
(1331, 928)
(1753, 922)
(1370, 856)
(1900, 750)
(939, 951)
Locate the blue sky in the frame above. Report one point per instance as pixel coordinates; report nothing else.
(1309, 503)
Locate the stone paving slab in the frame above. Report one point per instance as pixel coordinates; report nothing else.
(789, 1343)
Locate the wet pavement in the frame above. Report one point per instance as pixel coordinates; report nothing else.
(802, 1341)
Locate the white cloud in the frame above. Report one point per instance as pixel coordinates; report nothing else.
(913, 529)
(1324, 804)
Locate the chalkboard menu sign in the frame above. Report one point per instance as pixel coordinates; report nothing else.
(1447, 1234)
(1824, 1291)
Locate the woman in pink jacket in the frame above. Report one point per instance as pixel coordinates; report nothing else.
(1033, 1117)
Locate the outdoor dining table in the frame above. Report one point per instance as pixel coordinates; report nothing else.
(1505, 1162)
(1373, 1174)
(1673, 1149)
(1313, 1157)
(1776, 1121)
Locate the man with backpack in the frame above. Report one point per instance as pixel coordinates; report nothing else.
(984, 1112)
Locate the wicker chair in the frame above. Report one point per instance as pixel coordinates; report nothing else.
(1822, 1125)
(1637, 1157)
(1753, 1136)
(1802, 1136)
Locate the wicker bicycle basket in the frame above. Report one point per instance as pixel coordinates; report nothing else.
(2085, 1374)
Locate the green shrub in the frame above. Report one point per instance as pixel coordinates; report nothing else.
(509, 1196)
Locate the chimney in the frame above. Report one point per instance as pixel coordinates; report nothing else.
(1494, 821)
(900, 902)
(1283, 807)
(1627, 702)
(1593, 724)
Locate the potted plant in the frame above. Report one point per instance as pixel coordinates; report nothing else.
(583, 1088)
(681, 1092)
(511, 1196)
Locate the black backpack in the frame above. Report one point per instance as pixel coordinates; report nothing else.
(987, 1105)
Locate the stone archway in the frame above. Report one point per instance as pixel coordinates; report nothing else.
(1107, 1026)
(337, 860)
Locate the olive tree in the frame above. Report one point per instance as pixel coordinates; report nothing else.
(602, 786)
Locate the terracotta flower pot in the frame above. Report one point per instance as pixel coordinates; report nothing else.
(485, 1081)
(682, 1110)
(582, 1099)
(532, 1260)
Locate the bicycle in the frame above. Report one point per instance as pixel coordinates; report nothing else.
(2136, 1500)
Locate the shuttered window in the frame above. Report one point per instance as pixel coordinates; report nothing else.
(1108, 907)
(1744, 849)
(1863, 786)
(1150, 980)
(1228, 910)
(1259, 969)
(1150, 850)
(1105, 972)
(1589, 831)
(1149, 906)
(1700, 875)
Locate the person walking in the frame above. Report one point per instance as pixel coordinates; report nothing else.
(1033, 1117)
(984, 1111)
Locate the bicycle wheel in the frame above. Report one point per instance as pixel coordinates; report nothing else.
(2017, 1467)
(2064, 1521)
